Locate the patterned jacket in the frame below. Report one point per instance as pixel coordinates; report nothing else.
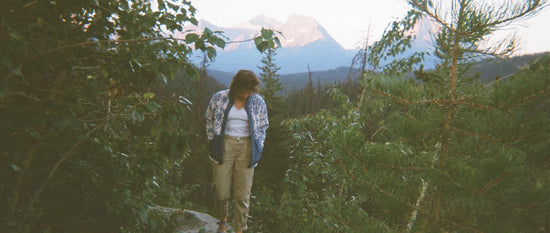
(216, 118)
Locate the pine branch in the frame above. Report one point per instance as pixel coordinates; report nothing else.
(354, 178)
(400, 100)
(409, 116)
(469, 229)
(376, 133)
(476, 135)
(432, 15)
(492, 184)
(527, 99)
(507, 142)
(474, 105)
(524, 11)
(439, 102)
(499, 50)
(317, 214)
(348, 172)
(522, 138)
(355, 156)
(391, 167)
(421, 135)
(506, 204)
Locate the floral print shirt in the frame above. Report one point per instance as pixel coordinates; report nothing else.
(216, 117)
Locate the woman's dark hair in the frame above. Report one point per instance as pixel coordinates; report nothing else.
(244, 81)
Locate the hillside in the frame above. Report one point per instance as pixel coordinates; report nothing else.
(492, 69)
(488, 70)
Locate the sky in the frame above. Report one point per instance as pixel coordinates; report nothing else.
(347, 21)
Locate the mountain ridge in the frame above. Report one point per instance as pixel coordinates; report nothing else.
(306, 45)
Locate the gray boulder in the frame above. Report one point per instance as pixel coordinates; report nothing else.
(188, 221)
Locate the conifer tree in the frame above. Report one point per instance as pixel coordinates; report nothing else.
(310, 93)
(269, 175)
(451, 154)
(271, 84)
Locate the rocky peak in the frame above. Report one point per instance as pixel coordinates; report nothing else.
(305, 43)
(300, 30)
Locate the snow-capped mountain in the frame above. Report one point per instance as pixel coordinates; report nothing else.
(305, 43)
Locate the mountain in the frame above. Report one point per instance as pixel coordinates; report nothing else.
(304, 43)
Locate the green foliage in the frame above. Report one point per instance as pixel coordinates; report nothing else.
(267, 189)
(322, 193)
(314, 98)
(86, 146)
(450, 154)
(201, 41)
(91, 135)
(103, 117)
(271, 84)
(267, 40)
(379, 158)
(198, 171)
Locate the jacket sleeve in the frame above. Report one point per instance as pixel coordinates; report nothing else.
(264, 121)
(210, 118)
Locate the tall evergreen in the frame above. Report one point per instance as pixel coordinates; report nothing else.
(270, 173)
(270, 83)
(311, 95)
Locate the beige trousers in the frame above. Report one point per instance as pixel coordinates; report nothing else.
(234, 173)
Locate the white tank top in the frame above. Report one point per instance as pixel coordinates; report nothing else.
(237, 123)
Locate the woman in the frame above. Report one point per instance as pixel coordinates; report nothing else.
(236, 124)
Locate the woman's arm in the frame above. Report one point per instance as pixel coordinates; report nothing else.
(210, 111)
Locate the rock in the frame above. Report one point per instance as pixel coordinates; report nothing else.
(188, 221)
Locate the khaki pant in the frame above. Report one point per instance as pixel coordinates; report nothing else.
(234, 171)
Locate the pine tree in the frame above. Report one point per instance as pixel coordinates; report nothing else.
(271, 83)
(311, 95)
(269, 175)
(451, 154)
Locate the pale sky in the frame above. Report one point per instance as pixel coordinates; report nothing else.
(347, 21)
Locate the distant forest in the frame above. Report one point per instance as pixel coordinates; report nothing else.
(488, 70)
(307, 92)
